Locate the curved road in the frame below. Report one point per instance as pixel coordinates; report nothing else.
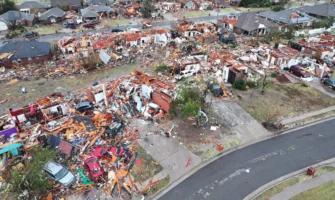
(235, 175)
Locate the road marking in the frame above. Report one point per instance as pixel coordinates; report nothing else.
(267, 156)
(231, 176)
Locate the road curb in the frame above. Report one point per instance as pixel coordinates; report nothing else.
(206, 162)
(282, 179)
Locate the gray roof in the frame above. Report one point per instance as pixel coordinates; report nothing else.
(76, 3)
(88, 13)
(16, 15)
(26, 48)
(97, 8)
(53, 12)
(32, 4)
(251, 21)
(281, 16)
(97, 2)
(324, 9)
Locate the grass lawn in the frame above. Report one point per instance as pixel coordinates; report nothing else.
(251, 9)
(144, 170)
(44, 30)
(190, 14)
(282, 101)
(161, 184)
(322, 192)
(280, 187)
(227, 10)
(42, 87)
(113, 23)
(333, 32)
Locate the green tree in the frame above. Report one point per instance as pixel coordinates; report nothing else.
(289, 33)
(147, 8)
(31, 178)
(6, 6)
(188, 102)
(276, 38)
(277, 8)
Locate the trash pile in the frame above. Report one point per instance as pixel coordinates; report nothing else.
(92, 137)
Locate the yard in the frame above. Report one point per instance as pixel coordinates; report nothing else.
(280, 187)
(145, 167)
(45, 30)
(282, 101)
(12, 98)
(110, 23)
(251, 9)
(322, 192)
(192, 14)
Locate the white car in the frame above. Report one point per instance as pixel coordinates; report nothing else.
(59, 173)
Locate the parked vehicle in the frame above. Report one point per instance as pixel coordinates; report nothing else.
(59, 173)
(70, 24)
(297, 70)
(84, 106)
(89, 25)
(107, 152)
(94, 168)
(329, 81)
(31, 35)
(115, 30)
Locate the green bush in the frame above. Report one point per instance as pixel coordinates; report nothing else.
(161, 68)
(251, 84)
(277, 8)
(240, 85)
(274, 74)
(12, 35)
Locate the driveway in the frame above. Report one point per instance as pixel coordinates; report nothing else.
(240, 121)
(239, 173)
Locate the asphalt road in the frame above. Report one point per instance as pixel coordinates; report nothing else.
(235, 175)
(154, 24)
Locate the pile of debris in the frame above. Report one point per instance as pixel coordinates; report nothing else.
(91, 135)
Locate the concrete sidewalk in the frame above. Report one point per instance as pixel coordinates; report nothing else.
(307, 115)
(304, 186)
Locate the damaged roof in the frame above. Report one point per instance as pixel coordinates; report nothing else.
(26, 48)
(16, 15)
(32, 4)
(251, 21)
(97, 2)
(55, 3)
(53, 12)
(86, 12)
(324, 9)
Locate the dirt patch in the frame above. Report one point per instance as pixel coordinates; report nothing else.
(12, 98)
(143, 170)
(282, 101)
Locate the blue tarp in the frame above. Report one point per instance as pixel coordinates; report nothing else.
(54, 141)
(12, 148)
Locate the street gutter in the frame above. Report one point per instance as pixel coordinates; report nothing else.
(206, 162)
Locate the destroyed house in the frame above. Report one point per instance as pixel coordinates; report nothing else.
(52, 106)
(24, 52)
(27, 116)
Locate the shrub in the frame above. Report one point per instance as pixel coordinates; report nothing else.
(274, 74)
(240, 84)
(161, 68)
(277, 8)
(251, 84)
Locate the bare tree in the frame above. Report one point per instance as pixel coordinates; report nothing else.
(265, 83)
